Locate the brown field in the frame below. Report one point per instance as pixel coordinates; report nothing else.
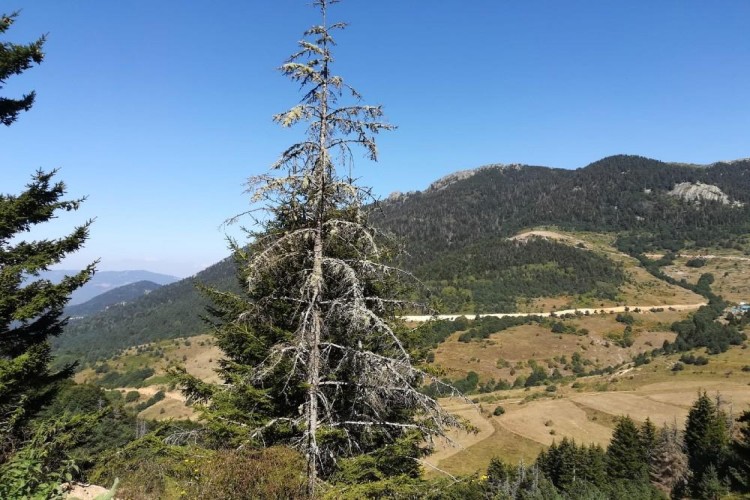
(589, 413)
(519, 344)
(731, 275)
(199, 360)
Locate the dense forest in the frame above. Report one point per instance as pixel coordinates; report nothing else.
(623, 194)
(493, 274)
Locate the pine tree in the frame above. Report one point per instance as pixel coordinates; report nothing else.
(706, 440)
(741, 453)
(625, 455)
(313, 358)
(15, 59)
(31, 309)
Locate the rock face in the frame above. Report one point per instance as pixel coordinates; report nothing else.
(449, 179)
(697, 192)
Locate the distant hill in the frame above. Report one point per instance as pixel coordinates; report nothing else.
(104, 281)
(170, 311)
(116, 297)
(456, 237)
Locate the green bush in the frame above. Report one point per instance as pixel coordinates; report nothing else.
(499, 410)
(132, 396)
(148, 468)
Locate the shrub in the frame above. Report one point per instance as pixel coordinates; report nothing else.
(499, 410)
(132, 396)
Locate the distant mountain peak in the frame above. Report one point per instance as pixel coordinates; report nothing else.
(452, 178)
(449, 179)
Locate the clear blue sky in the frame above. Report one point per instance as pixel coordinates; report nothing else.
(159, 111)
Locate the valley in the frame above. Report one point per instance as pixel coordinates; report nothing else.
(574, 405)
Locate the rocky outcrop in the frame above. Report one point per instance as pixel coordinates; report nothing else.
(449, 179)
(698, 192)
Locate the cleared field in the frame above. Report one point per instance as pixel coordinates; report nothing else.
(547, 421)
(198, 354)
(505, 354)
(637, 406)
(588, 414)
(461, 439)
(731, 275)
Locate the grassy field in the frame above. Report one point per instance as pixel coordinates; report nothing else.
(197, 354)
(505, 355)
(731, 275)
(587, 413)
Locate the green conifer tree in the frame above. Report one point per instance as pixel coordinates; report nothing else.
(15, 59)
(706, 440)
(313, 358)
(625, 455)
(30, 309)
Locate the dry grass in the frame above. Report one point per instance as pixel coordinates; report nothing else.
(200, 359)
(731, 275)
(197, 354)
(519, 344)
(588, 414)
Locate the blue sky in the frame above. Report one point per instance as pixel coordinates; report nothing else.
(159, 111)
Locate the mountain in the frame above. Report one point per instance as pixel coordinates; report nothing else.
(629, 195)
(456, 237)
(455, 232)
(173, 310)
(103, 281)
(116, 297)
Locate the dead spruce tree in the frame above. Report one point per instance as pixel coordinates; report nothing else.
(312, 357)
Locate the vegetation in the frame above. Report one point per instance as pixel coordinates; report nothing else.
(14, 60)
(313, 355)
(169, 312)
(318, 393)
(31, 450)
(493, 275)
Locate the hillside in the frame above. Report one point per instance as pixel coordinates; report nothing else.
(456, 235)
(627, 194)
(104, 281)
(455, 232)
(171, 311)
(116, 297)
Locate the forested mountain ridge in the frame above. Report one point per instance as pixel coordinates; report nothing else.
(117, 296)
(171, 311)
(626, 194)
(455, 237)
(104, 281)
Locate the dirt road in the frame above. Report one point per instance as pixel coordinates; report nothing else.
(596, 310)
